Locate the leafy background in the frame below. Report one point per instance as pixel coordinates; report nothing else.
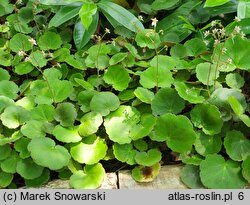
(88, 87)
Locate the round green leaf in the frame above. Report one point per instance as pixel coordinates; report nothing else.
(23, 68)
(117, 76)
(167, 100)
(43, 113)
(84, 99)
(104, 102)
(5, 179)
(37, 59)
(50, 40)
(28, 169)
(5, 151)
(246, 169)
(118, 57)
(237, 145)
(46, 153)
(20, 42)
(8, 89)
(33, 129)
(189, 93)
(39, 181)
(178, 51)
(208, 144)
(66, 114)
(21, 147)
(207, 73)
(148, 158)
(190, 175)
(124, 153)
(141, 145)
(90, 123)
(146, 173)
(120, 124)
(66, 134)
(89, 153)
(176, 130)
(14, 116)
(151, 77)
(4, 74)
(235, 80)
(144, 94)
(90, 178)
(163, 62)
(192, 159)
(195, 47)
(216, 173)
(220, 97)
(5, 102)
(207, 117)
(9, 164)
(148, 38)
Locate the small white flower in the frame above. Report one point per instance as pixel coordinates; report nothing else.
(21, 53)
(216, 42)
(140, 18)
(242, 35)
(206, 42)
(213, 23)
(224, 50)
(107, 30)
(237, 19)
(237, 29)
(222, 32)
(206, 34)
(215, 31)
(229, 61)
(33, 41)
(18, 2)
(27, 59)
(154, 21)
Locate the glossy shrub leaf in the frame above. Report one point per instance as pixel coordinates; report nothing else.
(148, 38)
(104, 102)
(144, 95)
(163, 5)
(65, 113)
(125, 153)
(14, 116)
(146, 173)
(28, 169)
(167, 100)
(151, 78)
(90, 178)
(213, 3)
(189, 93)
(190, 175)
(90, 123)
(81, 35)
(86, 12)
(227, 173)
(237, 145)
(195, 47)
(8, 89)
(49, 40)
(67, 135)
(176, 130)
(64, 14)
(20, 42)
(235, 80)
(33, 129)
(148, 158)
(5, 179)
(207, 144)
(243, 9)
(121, 15)
(207, 73)
(207, 117)
(117, 76)
(46, 153)
(89, 153)
(246, 169)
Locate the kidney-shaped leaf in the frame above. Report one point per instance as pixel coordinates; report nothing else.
(216, 173)
(67, 135)
(8, 89)
(125, 153)
(46, 153)
(90, 178)
(148, 158)
(65, 113)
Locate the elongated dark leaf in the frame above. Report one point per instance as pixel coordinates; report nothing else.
(121, 15)
(57, 2)
(81, 35)
(64, 14)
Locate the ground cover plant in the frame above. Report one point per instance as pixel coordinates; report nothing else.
(88, 87)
